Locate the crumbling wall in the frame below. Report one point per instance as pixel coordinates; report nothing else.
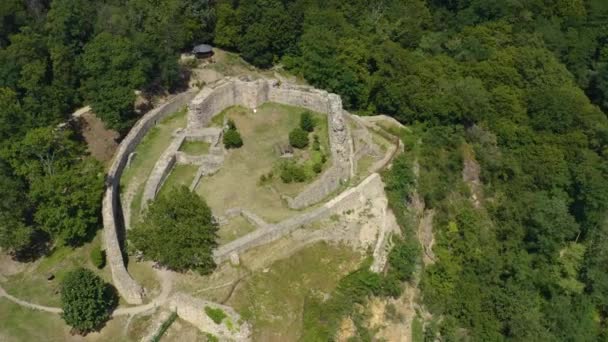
(192, 310)
(252, 93)
(371, 187)
(111, 211)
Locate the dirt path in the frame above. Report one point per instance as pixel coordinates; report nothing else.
(28, 304)
(166, 280)
(166, 284)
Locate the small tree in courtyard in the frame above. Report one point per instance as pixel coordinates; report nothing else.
(178, 231)
(307, 122)
(87, 301)
(232, 137)
(298, 138)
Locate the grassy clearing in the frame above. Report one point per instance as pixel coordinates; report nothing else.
(144, 274)
(363, 165)
(136, 206)
(32, 284)
(195, 147)
(148, 151)
(234, 229)
(417, 330)
(237, 182)
(273, 299)
(19, 324)
(152, 146)
(180, 175)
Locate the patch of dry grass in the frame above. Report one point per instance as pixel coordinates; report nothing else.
(237, 183)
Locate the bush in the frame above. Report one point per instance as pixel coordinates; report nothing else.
(87, 301)
(231, 125)
(291, 172)
(307, 122)
(316, 144)
(217, 315)
(317, 167)
(232, 139)
(164, 327)
(403, 258)
(298, 138)
(98, 257)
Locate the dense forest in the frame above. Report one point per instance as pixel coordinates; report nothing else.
(522, 86)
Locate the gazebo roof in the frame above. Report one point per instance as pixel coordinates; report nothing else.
(202, 48)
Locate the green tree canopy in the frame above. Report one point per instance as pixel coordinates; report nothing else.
(178, 231)
(87, 301)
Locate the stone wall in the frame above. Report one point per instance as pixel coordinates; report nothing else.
(162, 169)
(253, 93)
(369, 188)
(192, 310)
(111, 211)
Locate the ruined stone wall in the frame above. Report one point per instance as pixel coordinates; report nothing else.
(192, 310)
(252, 93)
(370, 188)
(111, 211)
(160, 172)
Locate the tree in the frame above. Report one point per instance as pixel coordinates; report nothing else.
(64, 188)
(68, 203)
(226, 30)
(114, 69)
(15, 233)
(298, 138)
(307, 122)
(87, 301)
(178, 231)
(232, 137)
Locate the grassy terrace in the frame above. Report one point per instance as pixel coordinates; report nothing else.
(235, 228)
(148, 151)
(180, 175)
(32, 283)
(272, 299)
(195, 147)
(237, 184)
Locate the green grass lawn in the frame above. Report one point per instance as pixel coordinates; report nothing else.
(273, 299)
(18, 324)
(195, 147)
(152, 146)
(180, 175)
(32, 284)
(237, 183)
(235, 228)
(148, 151)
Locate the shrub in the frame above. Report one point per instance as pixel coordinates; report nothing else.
(403, 258)
(298, 138)
(87, 301)
(307, 122)
(231, 125)
(232, 139)
(317, 167)
(316, 144)
(98, 257)
(164, 327)
(291, 172)
(216, 315)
